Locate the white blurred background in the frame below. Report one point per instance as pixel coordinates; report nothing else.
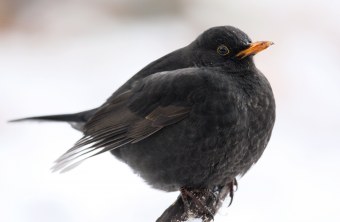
(70, 55)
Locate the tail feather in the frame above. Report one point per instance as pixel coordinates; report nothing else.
(74, 117)
(59, 118)
(77, 120)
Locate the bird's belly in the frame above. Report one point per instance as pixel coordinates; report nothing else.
(182, 155)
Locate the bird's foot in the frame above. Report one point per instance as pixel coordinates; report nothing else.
(196, 200)
(233, 185)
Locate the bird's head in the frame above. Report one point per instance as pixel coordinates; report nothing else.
(226, 46)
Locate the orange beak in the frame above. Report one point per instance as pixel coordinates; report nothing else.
(254, 48)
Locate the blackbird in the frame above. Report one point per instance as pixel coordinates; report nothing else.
(197, 117)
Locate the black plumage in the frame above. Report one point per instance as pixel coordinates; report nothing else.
(197, 117)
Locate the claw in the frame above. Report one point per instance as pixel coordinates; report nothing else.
(231, 186)
(235, 184)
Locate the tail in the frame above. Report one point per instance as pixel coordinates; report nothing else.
(77, 120)
(58, 118)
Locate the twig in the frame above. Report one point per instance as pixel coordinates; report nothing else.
(204, 206)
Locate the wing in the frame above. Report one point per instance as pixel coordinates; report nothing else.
(151, 104)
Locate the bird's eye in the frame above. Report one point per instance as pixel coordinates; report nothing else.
(223, 50)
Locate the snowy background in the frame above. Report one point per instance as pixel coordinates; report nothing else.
(68, 56)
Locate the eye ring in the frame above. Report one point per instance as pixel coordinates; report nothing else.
(223, 50)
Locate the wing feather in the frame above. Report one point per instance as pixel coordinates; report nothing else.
(150, 105)
(129, 129)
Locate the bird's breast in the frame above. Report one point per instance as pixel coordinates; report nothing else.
(224, 134)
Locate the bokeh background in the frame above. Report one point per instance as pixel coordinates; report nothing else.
(70, 55)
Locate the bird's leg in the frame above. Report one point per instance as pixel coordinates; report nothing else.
(233, 185)
(198, 197)
(185, 194)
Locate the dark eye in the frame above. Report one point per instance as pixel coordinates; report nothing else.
(223, 50)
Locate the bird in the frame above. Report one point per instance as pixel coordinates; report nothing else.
(198, 117)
